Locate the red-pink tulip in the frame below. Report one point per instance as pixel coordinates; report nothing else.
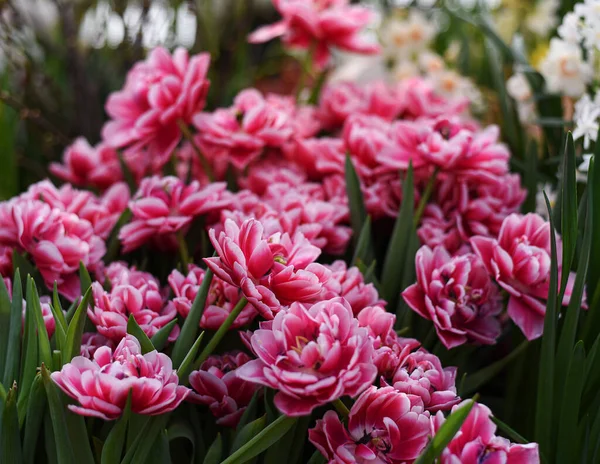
(110, 311)
(383, 427)
(91, 341)
(421, 375)
(319, 24)
(311, 356)
(419, 99)
(519, 261)
(217, 385)
(164, 206)
(101, 385)
(349, 283)
(457, 295)
(159, 94)
(476, 441)
(222, 298)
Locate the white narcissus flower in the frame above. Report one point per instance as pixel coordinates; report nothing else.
(585, 166)
(570, 29)
(565, 70)
(543, 19)
(518, 87)
(402, 38)
(431, 63)
(586, 117)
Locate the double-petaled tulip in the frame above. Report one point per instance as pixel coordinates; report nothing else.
(160, 93)
(319, 24)
(519, 261)
(217, 385)
(457, 295)
(165, 205)
(383, 427)
(221, 299)
(476, 441)
(101, 385)
(349, 283)
(311, 356)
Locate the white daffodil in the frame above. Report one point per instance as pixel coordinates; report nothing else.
(565, 70)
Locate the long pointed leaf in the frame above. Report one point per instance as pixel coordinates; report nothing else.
(33, 419)
(159, 339)
(10, 440)
(364, 248)
(85, 281)
(248, 432)
(134, 329)
(33, 304)
(75, 331)
(185, 368)
(13, 349)
(113, 446)
(30, 350)
(568, 211)
(358, 213)
(4, 325)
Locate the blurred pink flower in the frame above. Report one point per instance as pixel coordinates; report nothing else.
(419, 99)
(104, 212)
(457, 295)
(87, 166)
(476, 441)
(519, 261)
(383, 427)
(47, 315)
(217, 385)
(110, 311)
(222, 298)
(349, 283)
(165, 205)
(91, 341)
(311, 356)
(339, 101)
(101, 385)
(159, 93)
(319, 156)
(320, 24)
(6, 265)
(421, 375)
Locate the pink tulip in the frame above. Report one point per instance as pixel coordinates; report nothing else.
(420, 374)
(6, 265)
(217, 385)
(319, 24)
(101, 385)
(419, 99)
(222, 298)
(87, 166)
(91, 342)
(519, 261)
(349, 283)
(476, 441)
(383, 427)
(110, 311)
(319, 156)
(340, 100)
(272, 170)
(457, 295)
(159, 94)
(164, 206)
(311, 356)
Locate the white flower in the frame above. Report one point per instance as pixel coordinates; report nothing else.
(586, 126)
(591, 35)
(405, 69)
(185, 29)
(518, 87)
(403, 38)
(570, 29)
(585, 166)
(543, 19)
(431, 63)
(564, 69)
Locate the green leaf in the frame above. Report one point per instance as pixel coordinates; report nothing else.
(134, 329)
(289, 448)
(474, 381)
(160, 338)
(263, 440)
(112, 450)
(80, 440)
(568, 211)
(139, 451)
(592, 320)
(64, 451)
(33, 304)
(247, 432)
(33, 419)
(10, 439)
(75, 330)
(185, 368)
(545, 396)
(396, 256)
(317, 458)
(60, 333)
(190, 327)
(445, 434)
(5, 310)
(364, 248)
(509, 432)
(358, 213)
(215, 452)
(250, 413)
(85, 281)
(13, 348)
(30, 350)
(568, 437)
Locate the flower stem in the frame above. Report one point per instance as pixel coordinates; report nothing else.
(341, 408)
(183, 251)
(425, 198)
(218, 336)
(185, 130)
(306, 70)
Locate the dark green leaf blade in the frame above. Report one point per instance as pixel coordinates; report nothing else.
(134, 329)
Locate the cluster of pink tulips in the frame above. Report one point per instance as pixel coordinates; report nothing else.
(291, 310)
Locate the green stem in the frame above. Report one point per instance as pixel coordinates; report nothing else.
(185, 130)
(425, 198)
(341, 408)
(218, 336)
(183, 251)
(306, 70)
